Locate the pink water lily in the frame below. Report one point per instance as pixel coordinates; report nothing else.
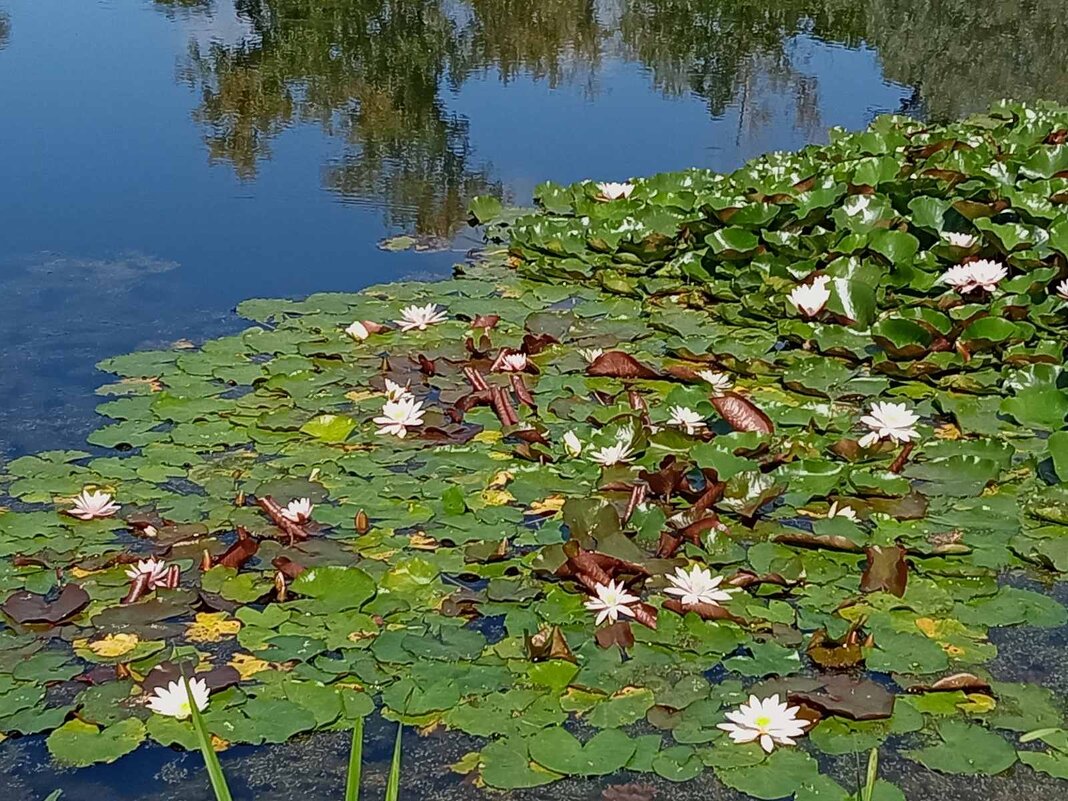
(983, 274)
(93, 505)
(155, 570)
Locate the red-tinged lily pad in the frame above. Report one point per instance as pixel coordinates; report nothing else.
(31, 608)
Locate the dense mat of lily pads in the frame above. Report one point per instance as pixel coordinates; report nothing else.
(692, 443)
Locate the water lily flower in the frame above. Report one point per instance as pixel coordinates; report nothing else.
(93, 505)
(809, 299)
(358, 331)
(893, 421)
(419, 317)
(173, 700)
(686, 419)
(611, 602)
(960, 240)
(983, 274)
(619, 452)
(298, 511)
(572, 444)
(1062, 289)
(398, 416)
(765, 720)
(848, 512)
(614, 191)
(156, 570)
(697, 586)
(514, 362)
(720, 382)
(591, 354)
(395, 392)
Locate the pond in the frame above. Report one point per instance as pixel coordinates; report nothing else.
(164, 161)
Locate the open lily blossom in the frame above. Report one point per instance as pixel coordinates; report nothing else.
(848, 512)
(591, 354)
(612, 601)
(397, 392)
(514, 362)
(697, 586)
(572, 444)
(93, 505)
(893, 421)
(809, 299)
(983, 274)
(960, 240)
(155, 569)
(398, 416)
(768, 721)
(358, 331)
(1062, 289)
(719, 382)
(686, 419)
(614, 191)
(617, 453)
(298, 511)
(172, 701)
(419, 317)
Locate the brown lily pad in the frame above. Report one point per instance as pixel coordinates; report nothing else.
(886, 571)
(29, 607)
(856, 699)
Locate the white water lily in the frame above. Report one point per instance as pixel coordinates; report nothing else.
(697, 586)
(298, 511)
(959, 240)
(686, 419)
(767, 721)
(591, 354)
(358, 331)
(173, 700)
(983, 274)
(419, 317)
(611, 602)
(398, 416)
(396, 392)
(720, 382)
(618, 452)
(1062, 289)
(809, 299)
(614, 191)
(893, 421)
(514, 362)
(572, 444)
(848, 512)
(93, 505)
(155, 569)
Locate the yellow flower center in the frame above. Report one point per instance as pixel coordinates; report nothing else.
(763, 722)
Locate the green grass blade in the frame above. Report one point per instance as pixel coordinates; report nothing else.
(352, 781)
(393, 784)
(211, 760)
(873, 774)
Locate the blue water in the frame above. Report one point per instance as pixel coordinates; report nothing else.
(120, 230)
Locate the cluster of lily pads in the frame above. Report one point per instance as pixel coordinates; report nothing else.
(619, 497)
